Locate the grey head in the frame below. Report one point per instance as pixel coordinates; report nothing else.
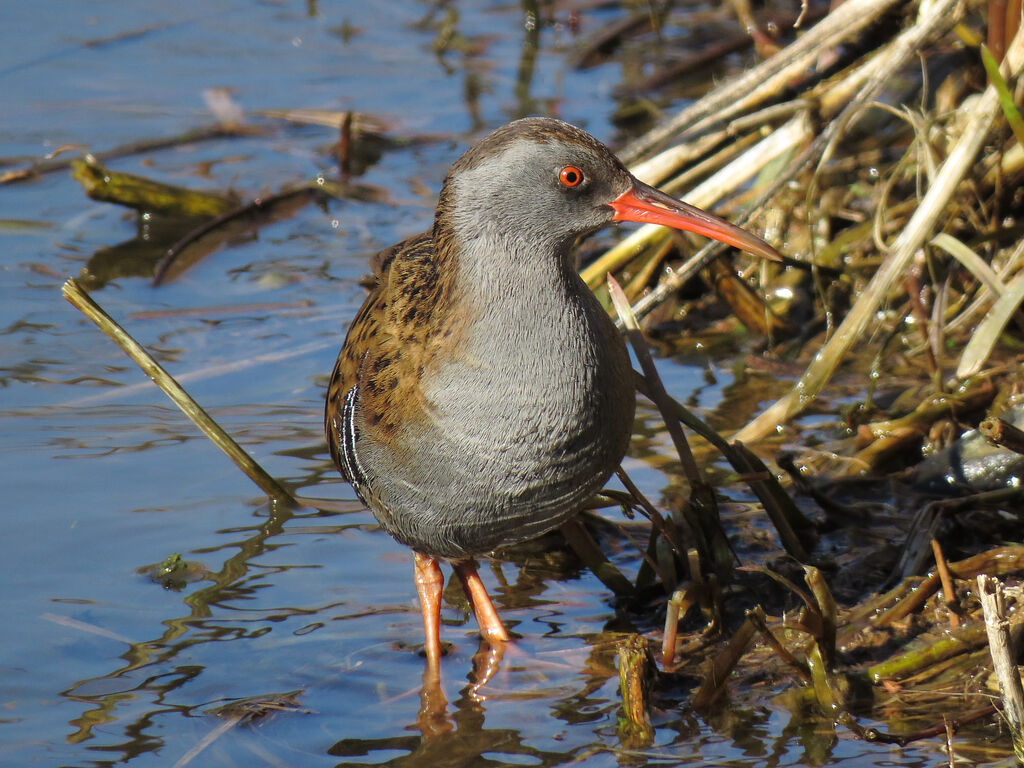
(537, 180)
(537, 184)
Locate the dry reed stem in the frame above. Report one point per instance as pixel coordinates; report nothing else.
(768, 78)
(948, 588)
(918, 230)
(1000, 645)
(85, 304)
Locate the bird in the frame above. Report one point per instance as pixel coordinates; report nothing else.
(482, 394)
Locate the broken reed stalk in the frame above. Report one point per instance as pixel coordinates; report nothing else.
(1003, 433)
(635, 670)
(1001, 647)
(821, 682)
(85, 304)
(827, 611)
(146, 195)
(919, 229)
(678, 605)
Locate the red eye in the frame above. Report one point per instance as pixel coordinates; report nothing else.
(570, 176)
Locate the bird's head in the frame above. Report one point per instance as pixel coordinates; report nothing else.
(545, 183)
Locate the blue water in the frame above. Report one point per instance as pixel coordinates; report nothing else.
(103, 476)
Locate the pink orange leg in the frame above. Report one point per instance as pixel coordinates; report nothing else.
(429, 582)
(486, 615)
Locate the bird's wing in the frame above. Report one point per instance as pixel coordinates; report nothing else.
(372, 355)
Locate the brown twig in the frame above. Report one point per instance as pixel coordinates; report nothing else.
(1003, 433)
(948, 589)
(260, 204)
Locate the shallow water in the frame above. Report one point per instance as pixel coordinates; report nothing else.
(102, 476)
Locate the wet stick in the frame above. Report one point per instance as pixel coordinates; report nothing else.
(84, 303)
(138, 192)
(635, 669)
(717, 669)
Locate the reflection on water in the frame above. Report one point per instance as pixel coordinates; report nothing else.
(550, 700)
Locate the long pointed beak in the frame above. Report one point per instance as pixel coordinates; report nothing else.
(648, 205)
